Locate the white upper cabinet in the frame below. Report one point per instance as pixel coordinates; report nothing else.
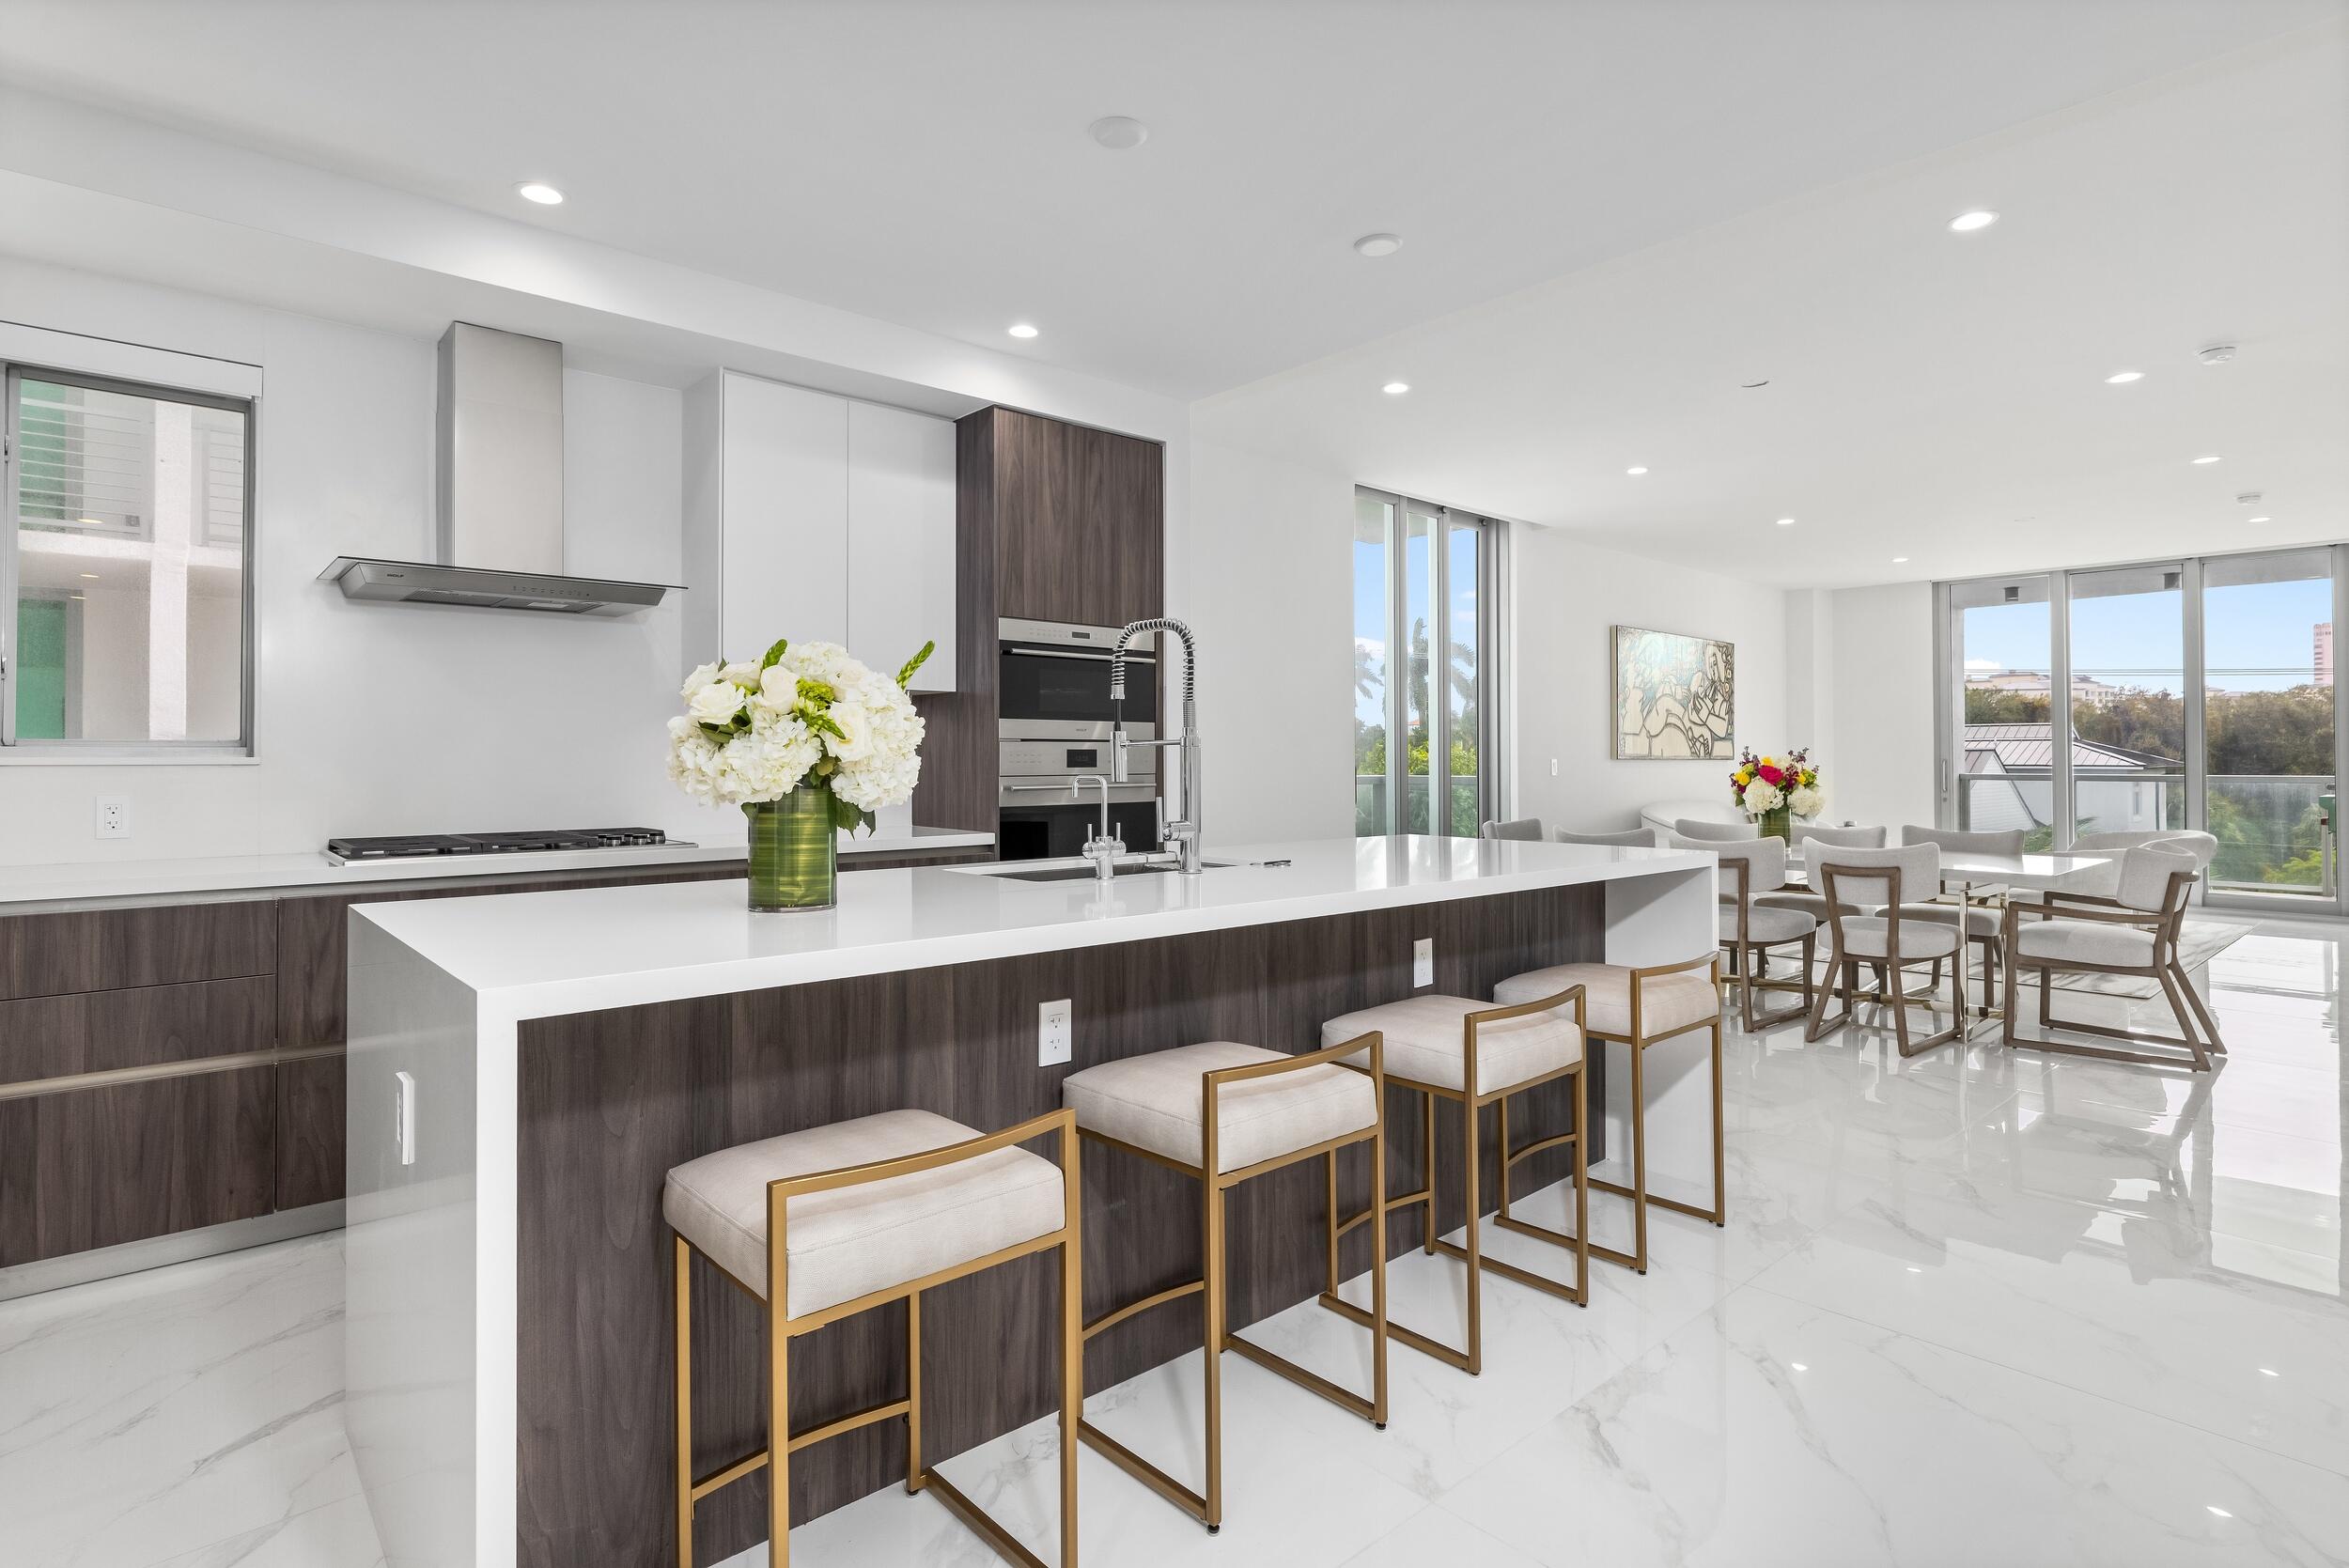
(816, 518)
(901, 541)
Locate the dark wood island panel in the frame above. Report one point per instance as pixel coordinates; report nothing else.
(610, 1100)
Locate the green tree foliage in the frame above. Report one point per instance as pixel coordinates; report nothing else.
(2267, 832)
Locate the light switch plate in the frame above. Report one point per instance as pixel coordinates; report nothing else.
(1424, 961)
(1055, 1036)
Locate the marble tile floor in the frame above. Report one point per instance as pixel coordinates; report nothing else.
(1974, 1308)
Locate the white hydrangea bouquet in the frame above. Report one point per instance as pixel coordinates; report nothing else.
(806, 741)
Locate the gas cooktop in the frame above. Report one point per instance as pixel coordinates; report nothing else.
(341, 851)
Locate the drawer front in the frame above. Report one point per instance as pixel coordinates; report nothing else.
(106, 950)
(146, 1026)
(100, 1167)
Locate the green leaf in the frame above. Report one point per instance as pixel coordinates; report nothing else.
(774, 655)
(845, 816)
(914, 664)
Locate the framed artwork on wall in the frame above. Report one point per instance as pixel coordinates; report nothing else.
(1675, 697)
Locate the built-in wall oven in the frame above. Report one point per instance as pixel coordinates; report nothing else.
(1055, 718)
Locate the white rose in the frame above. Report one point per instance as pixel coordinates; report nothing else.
(716, 703)
(702, 676)
(854, 743)
(741, 674)
(779, 682)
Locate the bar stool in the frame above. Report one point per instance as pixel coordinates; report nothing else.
(837, 1221)
(1220, 1114)
(1475, 1055)
(1640, 1008)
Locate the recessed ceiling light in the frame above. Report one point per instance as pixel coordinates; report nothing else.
(2122, 378)
(1966, 222)
(2259, 519)
(1750, 385)
(2210, 459)
(1395, 389)
(91, 575)
(1118, 132)
(1379, 244)
(1021, 329)
(1635, 472)
(1901, 561)
(2220, 1511)
(1798, 1366)
(540, 191)
(2267, 1372)
(1787, 523)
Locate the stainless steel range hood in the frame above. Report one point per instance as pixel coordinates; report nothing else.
(499, 531)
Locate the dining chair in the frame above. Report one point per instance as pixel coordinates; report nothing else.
(1522, 826)
(1895, 941)
(2132, 934)
(1633, 838)
(1981, 914)
(1747, 931)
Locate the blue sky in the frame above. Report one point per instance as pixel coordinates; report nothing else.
(1370, 612)
(2257, 636)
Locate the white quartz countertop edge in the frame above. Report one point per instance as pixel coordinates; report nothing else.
(1057, 920)
(198, 876)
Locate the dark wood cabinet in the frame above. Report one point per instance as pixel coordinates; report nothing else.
(1079, 521)
(144, 1133)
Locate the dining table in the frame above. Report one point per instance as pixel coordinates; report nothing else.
(1968, 873)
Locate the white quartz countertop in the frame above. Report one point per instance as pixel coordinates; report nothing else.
(30, 884)
(576, 950)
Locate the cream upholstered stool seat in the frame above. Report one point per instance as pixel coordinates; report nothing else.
(1639, 1008)
(835, 1220)
(1477, 1054)
(1221, 1112)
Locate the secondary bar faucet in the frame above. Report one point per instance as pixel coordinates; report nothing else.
(1104, 847)
(1185, 833)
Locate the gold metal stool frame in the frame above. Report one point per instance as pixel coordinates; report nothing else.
(1473, 1102)
(1639, 1041)
(782, 1330)
(1209, 1508)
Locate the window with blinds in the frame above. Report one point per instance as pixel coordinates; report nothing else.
(127, 565)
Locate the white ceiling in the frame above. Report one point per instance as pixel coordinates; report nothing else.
(926, 161)
(1932, 395)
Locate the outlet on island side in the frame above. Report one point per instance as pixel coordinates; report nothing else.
(113, 818)
(1055, 1035)
(1424, 961)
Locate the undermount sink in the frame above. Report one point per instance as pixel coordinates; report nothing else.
(1085, 873)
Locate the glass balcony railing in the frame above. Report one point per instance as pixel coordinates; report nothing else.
(1370, 806)
(2274, 832)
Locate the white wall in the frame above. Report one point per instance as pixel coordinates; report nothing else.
(1271, 565)
(1878, 690)
(1569, 595)
(390, 719)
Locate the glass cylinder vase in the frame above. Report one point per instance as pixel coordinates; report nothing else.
(795, 862)
(1777, 823)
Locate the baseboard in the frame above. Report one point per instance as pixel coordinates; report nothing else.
(134, 1257)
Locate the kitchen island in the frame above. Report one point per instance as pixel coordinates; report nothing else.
(525, 1069)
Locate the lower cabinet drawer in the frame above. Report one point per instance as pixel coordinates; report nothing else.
(149, 1026)
(97, 1166)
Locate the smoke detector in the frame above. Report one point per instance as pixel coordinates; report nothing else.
(2249, 498)
(2218, 353)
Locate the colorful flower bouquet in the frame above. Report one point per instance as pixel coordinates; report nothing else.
(1770, 790)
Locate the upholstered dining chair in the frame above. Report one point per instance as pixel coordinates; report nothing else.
(1885, 879)
(1633, 838)
(2135, 933)
(1811, 903)
(1522, 826)
(2103, 880)
(1715, 832)
(1980, 915)
(1754, 867)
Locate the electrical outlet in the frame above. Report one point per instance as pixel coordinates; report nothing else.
(1055, 1037)
(1424, 961)
(114, 816)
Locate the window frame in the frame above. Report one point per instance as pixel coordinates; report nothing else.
(1490, 629)
(18, 750)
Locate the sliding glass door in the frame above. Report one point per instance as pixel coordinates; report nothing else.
(1422, 631)
(2197, 694)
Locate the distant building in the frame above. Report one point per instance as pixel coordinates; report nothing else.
(2010, 784)
(2034, 683)
(2323, 653)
